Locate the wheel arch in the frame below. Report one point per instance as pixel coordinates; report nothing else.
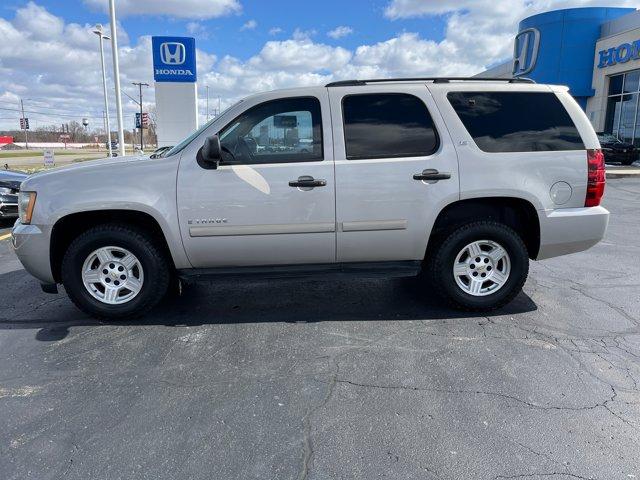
(517, 213)
(68, 227)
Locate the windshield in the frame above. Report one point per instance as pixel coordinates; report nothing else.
(182, 145)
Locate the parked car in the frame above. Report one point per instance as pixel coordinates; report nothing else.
(9, 187)
(161, 152)
(463, 181)
(617, 151)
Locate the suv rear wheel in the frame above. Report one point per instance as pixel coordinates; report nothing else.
(115, 271)
(479, 266)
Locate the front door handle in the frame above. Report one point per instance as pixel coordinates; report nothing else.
(307, 181)
(432, 174)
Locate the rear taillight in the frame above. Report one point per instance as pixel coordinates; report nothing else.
(596, 178)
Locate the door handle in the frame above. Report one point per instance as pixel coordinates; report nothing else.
(307, 181)
(432, 174)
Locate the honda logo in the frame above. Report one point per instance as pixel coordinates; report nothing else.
(172, 53)
(525, 51)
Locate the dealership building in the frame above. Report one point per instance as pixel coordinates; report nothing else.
(595, 52)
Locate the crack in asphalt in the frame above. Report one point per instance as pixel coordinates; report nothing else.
(544, 455)
(552, 474)
(528, 404)
(307, 441)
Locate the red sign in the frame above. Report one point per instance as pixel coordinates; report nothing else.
(5, 140)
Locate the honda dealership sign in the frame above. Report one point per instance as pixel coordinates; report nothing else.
(174, 72)
(525, 51)
(174, 59)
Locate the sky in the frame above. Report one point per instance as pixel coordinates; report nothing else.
(50, 59)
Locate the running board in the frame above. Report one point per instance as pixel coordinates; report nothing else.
(409, 268)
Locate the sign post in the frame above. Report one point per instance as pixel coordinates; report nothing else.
(49, 159)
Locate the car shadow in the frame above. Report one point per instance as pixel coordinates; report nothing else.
(236, 302)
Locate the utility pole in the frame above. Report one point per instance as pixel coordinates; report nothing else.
(116, 74)
(207, 87)
(140, 85)
(24, 122)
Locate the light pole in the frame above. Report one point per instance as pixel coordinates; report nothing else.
(116, 74)
(207, 87)
(98, 31)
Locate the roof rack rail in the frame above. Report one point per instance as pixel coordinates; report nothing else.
(355, 83)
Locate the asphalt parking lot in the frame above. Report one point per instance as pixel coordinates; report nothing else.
(319, 380)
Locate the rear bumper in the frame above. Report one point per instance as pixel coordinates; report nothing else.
(570, 230)
(31, 245)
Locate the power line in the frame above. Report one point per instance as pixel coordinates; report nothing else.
(51, 114)
(40, 107)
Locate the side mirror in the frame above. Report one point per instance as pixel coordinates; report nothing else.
(212, 150)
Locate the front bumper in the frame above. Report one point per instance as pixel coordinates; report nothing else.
(8, 206)
(570, 230)
(31, 244)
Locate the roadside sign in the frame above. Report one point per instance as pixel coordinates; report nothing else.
(65, 137)
(145, 120)
(24, 124)
(174, 59)
(49, 159)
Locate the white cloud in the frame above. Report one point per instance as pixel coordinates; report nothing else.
(299, 34)
(275, 31)
(249, 25)
(200, 9)
(480, 33)
(198, 30)
(419, 8)
(339, 32)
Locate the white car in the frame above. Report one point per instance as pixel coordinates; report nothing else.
(463, 180)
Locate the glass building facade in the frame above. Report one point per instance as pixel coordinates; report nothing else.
(622, 118)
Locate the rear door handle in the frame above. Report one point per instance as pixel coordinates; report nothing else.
(432, 174)
(307, 181)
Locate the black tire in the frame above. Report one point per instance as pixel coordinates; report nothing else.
(442, 256)
(157, 272)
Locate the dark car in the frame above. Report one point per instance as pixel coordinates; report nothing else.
(9, 187)
(617, 151)
(161, 152)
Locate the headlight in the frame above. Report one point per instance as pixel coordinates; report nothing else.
(26, 202)
(5, 190)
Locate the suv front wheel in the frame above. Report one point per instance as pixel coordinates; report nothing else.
(479, 266)
(115, 271)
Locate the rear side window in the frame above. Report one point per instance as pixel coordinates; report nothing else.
(384, 125)
(516, 121)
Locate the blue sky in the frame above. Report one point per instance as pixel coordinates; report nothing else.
(49, 57)
(225, 35)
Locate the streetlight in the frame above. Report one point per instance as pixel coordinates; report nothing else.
(99, 31)
(116, 74)
(207, 87)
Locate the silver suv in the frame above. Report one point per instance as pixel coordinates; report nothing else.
(459, 180)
